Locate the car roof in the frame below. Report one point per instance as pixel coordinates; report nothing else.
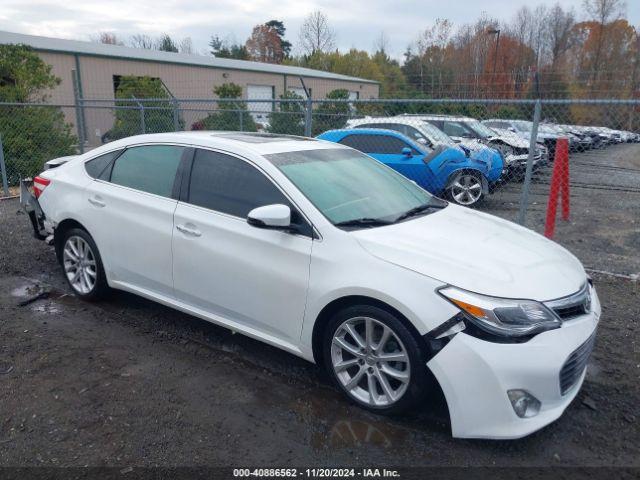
(434, 116)
(258, 143)
(401, 120)
(343, 132)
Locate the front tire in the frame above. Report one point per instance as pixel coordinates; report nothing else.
(466, 189)
(82, 265)
(375, 360)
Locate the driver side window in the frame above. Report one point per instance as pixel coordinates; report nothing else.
(230, 185)
(415, 135)
(454, 129)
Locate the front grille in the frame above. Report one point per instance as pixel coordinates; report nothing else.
(572, 306)
(575, 364)
(570, 311)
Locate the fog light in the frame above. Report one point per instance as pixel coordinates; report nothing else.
(524, 404)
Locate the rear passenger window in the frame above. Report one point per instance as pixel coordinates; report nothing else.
(96, 166)
(381, 144)
(229, 185)
(149, 168)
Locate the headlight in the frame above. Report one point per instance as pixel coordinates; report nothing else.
(502, 316)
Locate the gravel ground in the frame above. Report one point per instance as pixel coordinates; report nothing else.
(130, 383)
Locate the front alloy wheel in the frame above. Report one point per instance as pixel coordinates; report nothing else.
(466, 189)
(370, 361)
(376, 359)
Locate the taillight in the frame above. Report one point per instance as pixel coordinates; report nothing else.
(39, 184)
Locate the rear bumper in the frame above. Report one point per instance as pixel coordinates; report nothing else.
(30, 204)
(475, 376)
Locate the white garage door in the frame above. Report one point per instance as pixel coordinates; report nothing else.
(298, 91)
(260, 110)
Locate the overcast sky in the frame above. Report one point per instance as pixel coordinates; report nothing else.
(357, 23)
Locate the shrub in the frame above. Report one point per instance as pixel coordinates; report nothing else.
(332, 115)
(230, 115)
(158, 115)
(289, 119)
(30, 135)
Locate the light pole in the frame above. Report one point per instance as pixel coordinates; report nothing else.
(496, 32)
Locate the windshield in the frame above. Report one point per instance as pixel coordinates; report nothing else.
(436, 135)
(347, 185)
(522, 126)
(547, 129)
(482, 130)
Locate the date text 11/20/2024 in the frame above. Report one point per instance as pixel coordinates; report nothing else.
(316, 472)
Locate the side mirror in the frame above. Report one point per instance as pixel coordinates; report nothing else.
(422, 141)
(406, 151)
(275, 216)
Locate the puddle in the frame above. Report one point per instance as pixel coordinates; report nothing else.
(338, 425)
(28, 290)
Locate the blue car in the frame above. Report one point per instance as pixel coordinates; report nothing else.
(443, 171)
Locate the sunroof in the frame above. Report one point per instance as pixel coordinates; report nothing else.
(260, 137)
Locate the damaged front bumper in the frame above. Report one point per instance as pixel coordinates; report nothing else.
(476, 377)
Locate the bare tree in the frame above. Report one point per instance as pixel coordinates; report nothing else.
(142, 41)
(604, 11)
(316, 35)
(382, 43)
(559, 33)
(186, 45)
(108, 38)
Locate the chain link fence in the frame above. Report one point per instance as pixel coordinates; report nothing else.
(499, 156)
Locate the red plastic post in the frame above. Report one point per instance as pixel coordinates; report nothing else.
(564, 182)
(559, 185)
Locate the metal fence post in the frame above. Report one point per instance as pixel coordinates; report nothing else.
(524, 199)
(143, 126)
(79, 112)
(241, 118)
(3, 168)
(176, 118)
(308, 117)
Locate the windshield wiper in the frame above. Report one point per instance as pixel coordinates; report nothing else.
(419, 209)
(363, 222)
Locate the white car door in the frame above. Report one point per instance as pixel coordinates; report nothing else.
(132, 204)
(250, 276)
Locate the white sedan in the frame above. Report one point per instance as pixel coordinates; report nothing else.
(324, 252)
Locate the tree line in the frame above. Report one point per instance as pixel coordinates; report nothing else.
(552, 52)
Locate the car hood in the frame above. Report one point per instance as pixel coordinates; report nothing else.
(511, 139)
(472, 144)
(478, 252)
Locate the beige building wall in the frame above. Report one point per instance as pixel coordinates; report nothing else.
(184, 82)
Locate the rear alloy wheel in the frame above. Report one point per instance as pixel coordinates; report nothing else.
(82, 265)
(466, 189)
(375, 360)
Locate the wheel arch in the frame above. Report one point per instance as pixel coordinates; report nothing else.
(341, 303)
(61, 228)
(483, 178)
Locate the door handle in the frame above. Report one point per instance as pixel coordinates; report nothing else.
(189, 231)
(97, 203)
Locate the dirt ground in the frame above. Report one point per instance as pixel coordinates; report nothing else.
(130, 383)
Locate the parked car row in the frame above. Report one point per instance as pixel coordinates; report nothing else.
(454, 157)
(580, 137)
(461, 158)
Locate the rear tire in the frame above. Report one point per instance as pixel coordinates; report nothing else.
(82, 265)
(356, 342)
